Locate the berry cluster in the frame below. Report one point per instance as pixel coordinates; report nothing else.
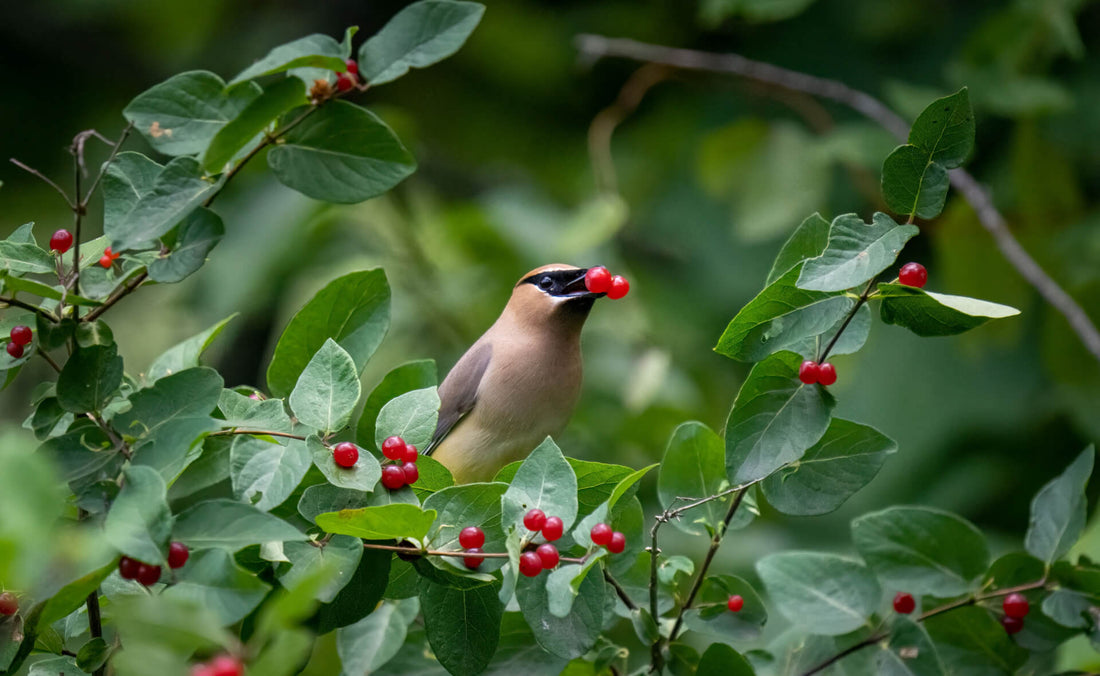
(345, 81)
(545, 556)
(1016, 608)
(599, 280)
(61, 241)
(108, 257)
(603, 536)
(222, 665)
(403, 471)
(471, 539)
(913, 274)
(811, 372)
(20, 336)
(148, 575)
(9, 605)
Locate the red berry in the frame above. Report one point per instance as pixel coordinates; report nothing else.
(15, 350)
(344, 82)
(617, 544)
(105, 261)
(597, 279)
(110, 254)
(353, 66)
(393, 448)
(128, 568)
(548, 554)
(201, 670)
(411, 472)
(148, 575)
(472, 562)
(530, 564)
(177, 555)
(904, 603)
(913, 274)
(826, 374)
(471, 537)
(1012, 625)
(619, 287)
(809, 372)
(553, 528)
(601, 534)
(411, 454)
(393, 477)
(735, 603)
(345, 454)
(224, 665)
(535, 519)
(9, 605)
(1016, 605)
(21, 334)
(61, 241)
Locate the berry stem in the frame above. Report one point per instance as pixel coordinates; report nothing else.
(455, 554)
(848, 320)
(259, 433)
(15, 302)
(623, 596)
(45, 178)
(95, 624)
(49, 360)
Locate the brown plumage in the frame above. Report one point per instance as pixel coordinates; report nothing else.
(518, 383)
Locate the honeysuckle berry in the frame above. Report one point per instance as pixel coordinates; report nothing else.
(344, 82)
(530, 564)
(1012, 625)
(534, 519)
(411, 472)
(735, 603)
(809, 372)
(617, 544)
(226, 665)
(21, 335)
(471, 537)
(108, 257)
(913, 274)
(600, 534)
(61, 241)
(393, 477)
(597, 279)
(128, 568)
(553, 528)
(148, 575)
(178, 554)
(904, 603)
(549, 556)
(826, 374)
(345, 454)
(619, 287)
(1016, 605)
(473, 562)
(9, 605)
(353, 66)
(15, 350)
(411, 454)
(393, 448)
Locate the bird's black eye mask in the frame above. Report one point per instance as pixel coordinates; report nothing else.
(561, 283)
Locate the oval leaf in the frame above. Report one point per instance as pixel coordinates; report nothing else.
(856, 253)
(820, 593)
(140, 522)
(419, 35)
(1059, 511)
(936, 314)
(411, 416)
(230, 525)
(383, 522)
(327, 390)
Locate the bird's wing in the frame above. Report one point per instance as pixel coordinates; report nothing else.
(458, 392)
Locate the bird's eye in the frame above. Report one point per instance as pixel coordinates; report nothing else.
(546, 283)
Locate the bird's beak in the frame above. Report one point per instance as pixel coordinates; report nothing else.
(576, 287)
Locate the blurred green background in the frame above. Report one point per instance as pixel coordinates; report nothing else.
(712, 175)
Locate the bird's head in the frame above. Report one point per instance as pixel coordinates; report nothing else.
(554, 296)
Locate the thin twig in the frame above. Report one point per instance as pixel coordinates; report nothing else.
(15, 302)
(595, 47)
(412, 551)
(118, 295)
(45, 178)
(95, 624)
(110, 158)
(848, 320)
(259, 433)
(623, 596)
(49, 360)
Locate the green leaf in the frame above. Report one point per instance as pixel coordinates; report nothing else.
(411, 416)
(856, 253)
(257, 116)
(73, 595)
(46, 291)
(414, 375)
(342, 153)
(712, 616)
(198, 234)
(463, 625)
(21, 257)
(363, 476)
(140, 522)
(721, 660)
(782, 317)
(185, 355)
(912, 184)
(327, 390)
(945, 130)
(694, 467)
(169, 418)
(544, 481)
(820, 593)
(93, 654)
(567, 637)
(128, 178)
(519, 653)
(974, 643)
(774, 419)
(182, 114)
(845, 460)
(285, 653)
(265, 473)
(922, 550)
(936, 314)
(564, 582)
(94, 333)
(1058, 512)
(807, 241)
(419, 35)
(434, 477)
(595, 482)
(312, 51)
(353, 310)
(457, 507)
(168, 622)
(230, 525)
(212, 579)
(339, 558)
(383, 522)
(910, 652)
(371, 642)
(323, 498)
(56, 666)
(360, 597)
(253, 414)
(89, 378)
(177, 190)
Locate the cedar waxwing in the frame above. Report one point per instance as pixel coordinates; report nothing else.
(519, 382)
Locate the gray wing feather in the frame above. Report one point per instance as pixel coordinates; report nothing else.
(458, 392)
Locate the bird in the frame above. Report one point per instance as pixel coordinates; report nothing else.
(519, 382)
